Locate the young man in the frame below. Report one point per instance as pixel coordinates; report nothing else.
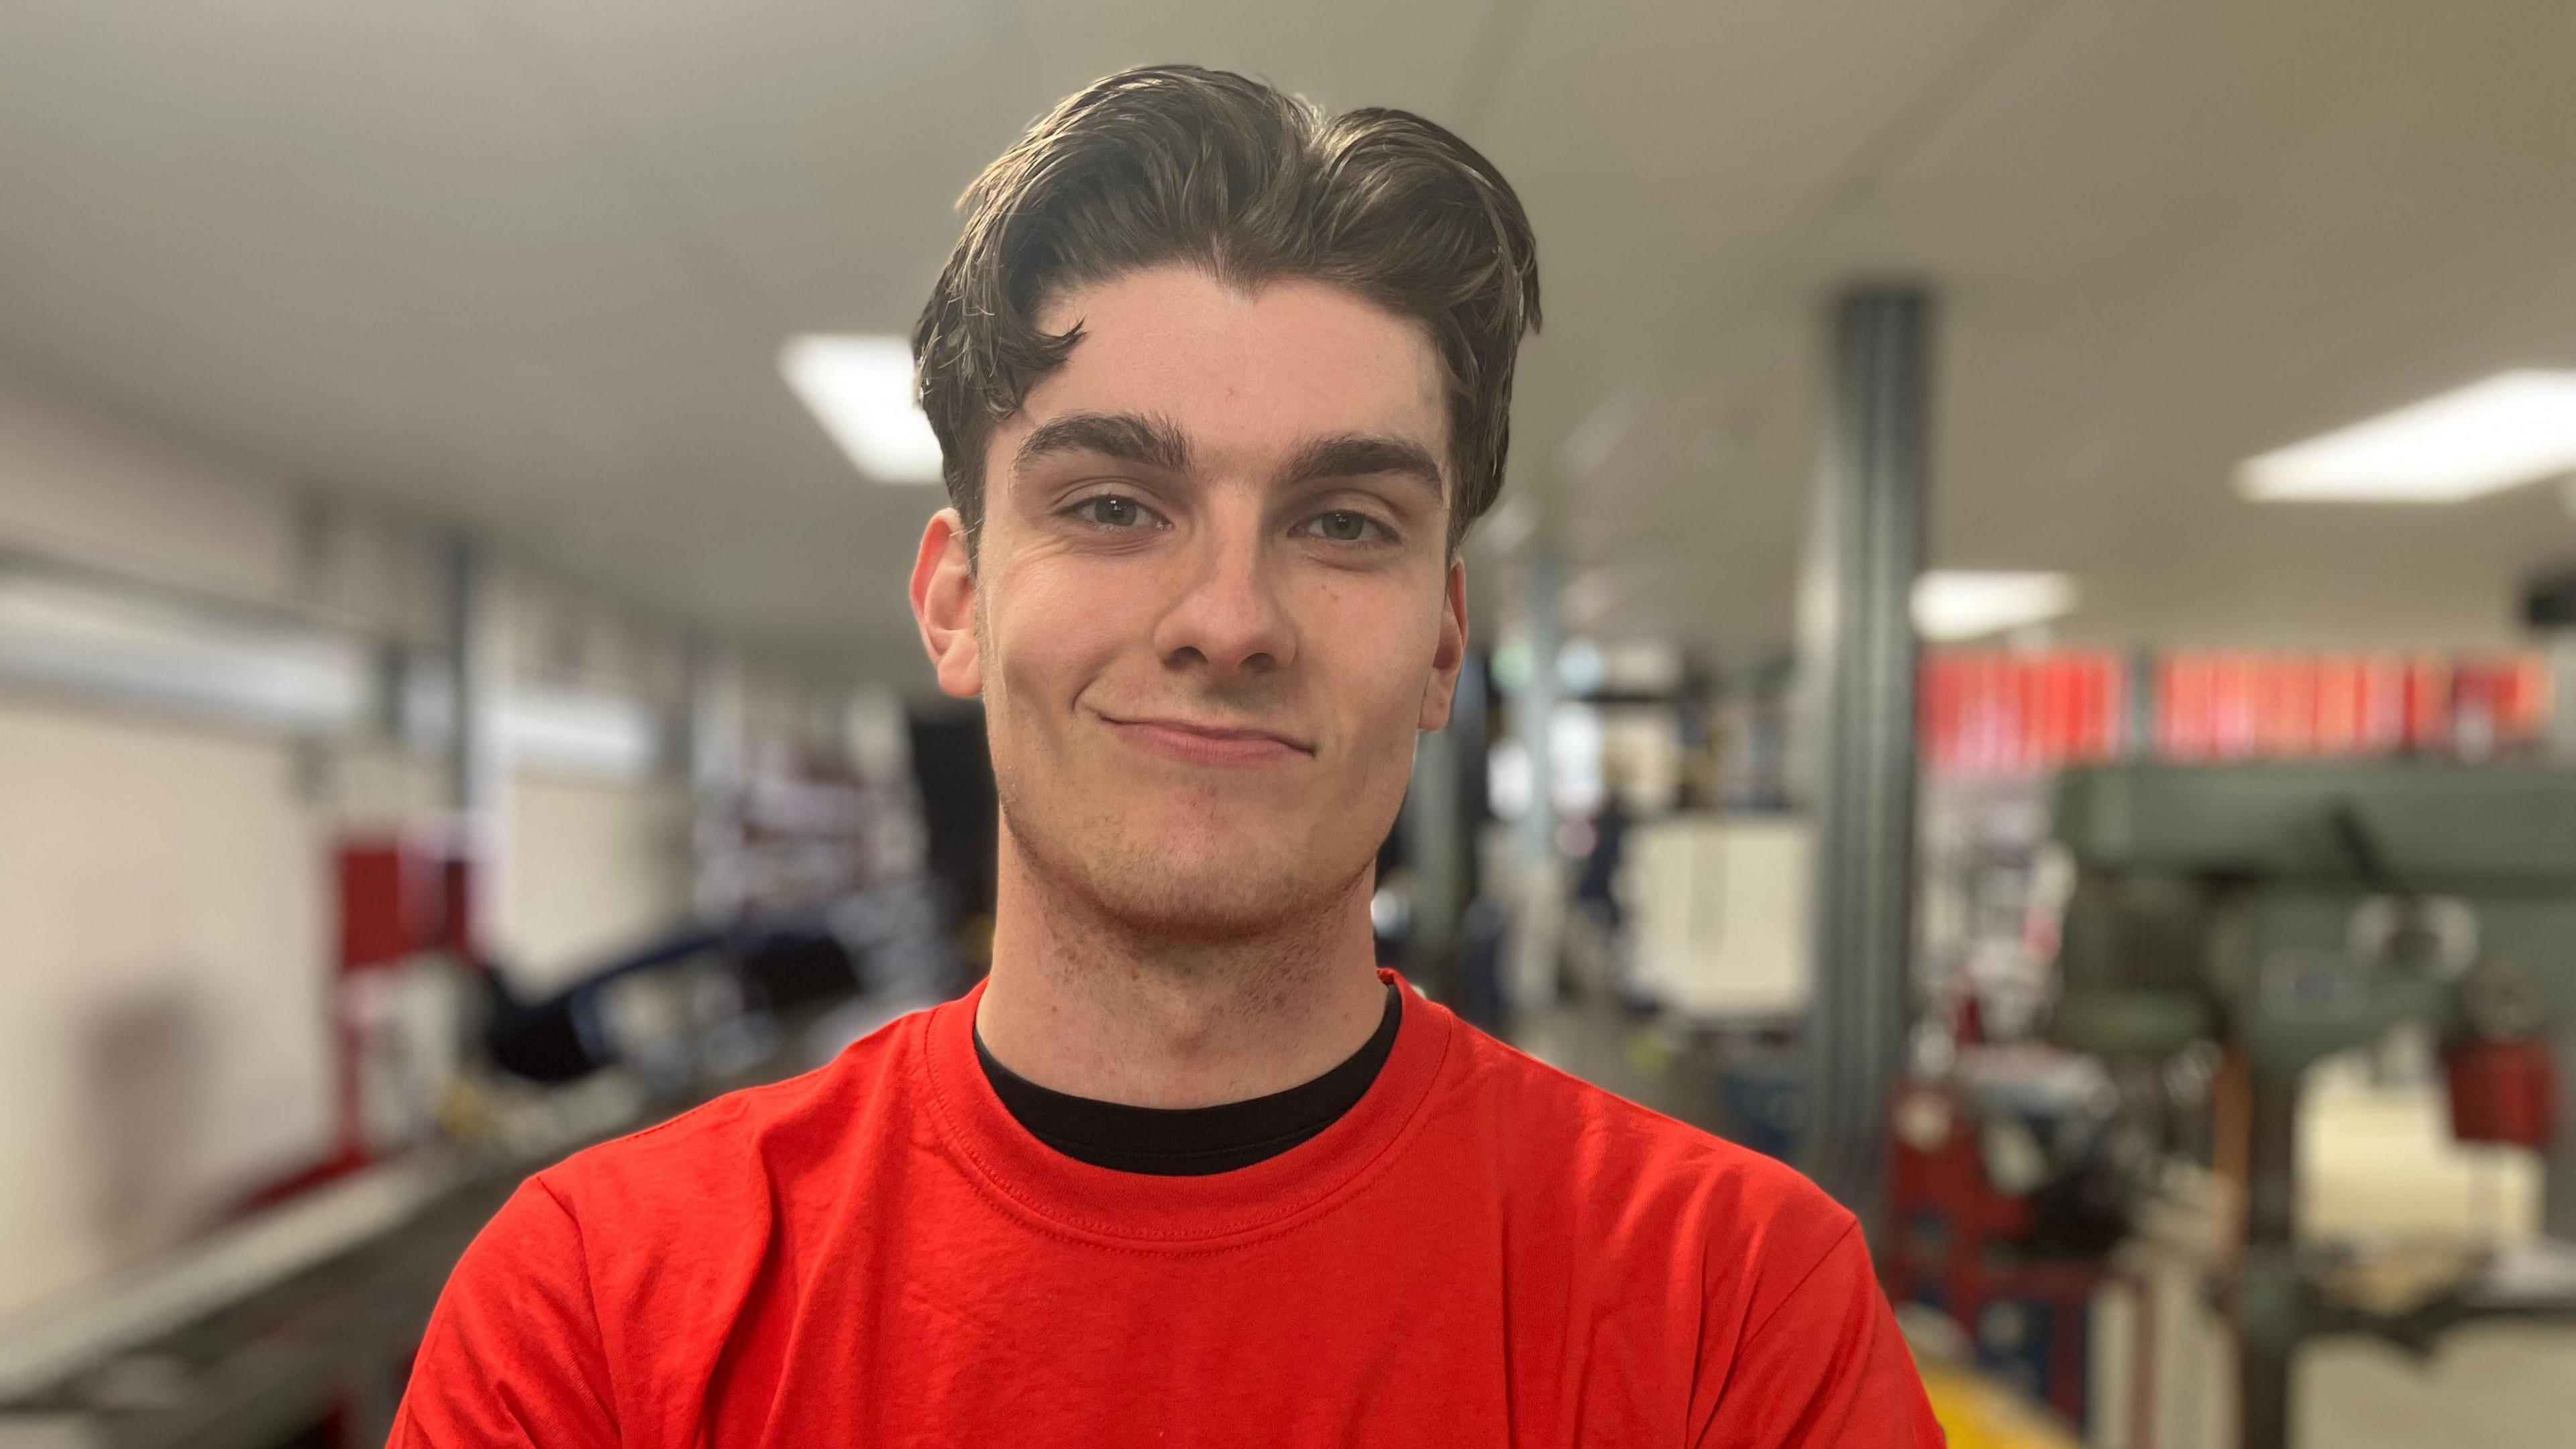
(1221, 383)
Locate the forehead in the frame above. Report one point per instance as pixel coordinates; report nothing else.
(1244, 372)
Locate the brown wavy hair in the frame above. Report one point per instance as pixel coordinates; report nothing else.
(1176, 163)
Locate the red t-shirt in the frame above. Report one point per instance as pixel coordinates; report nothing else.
(1483, 1251)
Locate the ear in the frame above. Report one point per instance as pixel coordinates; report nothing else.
(943, 604)
(1450, 653)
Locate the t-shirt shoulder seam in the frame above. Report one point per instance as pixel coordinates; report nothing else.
(589, 1294)
(1593, 1094)
(724, 1107)
(1804, 1278)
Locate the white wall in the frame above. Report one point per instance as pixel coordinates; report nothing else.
(165, 915)
(163, 924)
(76, 487)
(592, 869)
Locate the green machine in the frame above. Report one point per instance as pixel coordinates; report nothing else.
(2294, 911)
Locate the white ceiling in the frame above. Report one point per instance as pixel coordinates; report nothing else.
(525, 264)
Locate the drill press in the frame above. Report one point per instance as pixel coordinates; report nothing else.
(2294, 911)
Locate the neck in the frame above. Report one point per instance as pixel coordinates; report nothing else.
(1093, 1006)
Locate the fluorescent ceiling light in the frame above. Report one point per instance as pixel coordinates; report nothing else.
(860, 389)
(1951, 605)
(2513, 428)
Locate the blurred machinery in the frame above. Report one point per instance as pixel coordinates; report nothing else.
(2004, 1202)
(2002, 1192)
(2291, 912)
(1720, 907)
(406, 964)
(292, 1323)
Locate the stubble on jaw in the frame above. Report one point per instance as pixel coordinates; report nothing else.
(1113, 901)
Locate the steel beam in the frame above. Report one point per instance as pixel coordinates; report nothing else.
(1860, 660)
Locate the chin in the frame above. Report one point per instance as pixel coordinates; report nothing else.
(1192, 906)
(1196, 883)
(1190, 877)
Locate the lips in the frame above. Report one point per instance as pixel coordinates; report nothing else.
(1214, 744)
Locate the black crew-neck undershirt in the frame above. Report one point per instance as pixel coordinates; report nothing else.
(1192, 1141)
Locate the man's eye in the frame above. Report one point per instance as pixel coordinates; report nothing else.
(1110, 511)
(1343, 526)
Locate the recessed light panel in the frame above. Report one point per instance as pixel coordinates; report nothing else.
(1954, 604)
(2513, 428)
(860, 389)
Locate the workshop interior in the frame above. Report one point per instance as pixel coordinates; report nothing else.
(2026, 664)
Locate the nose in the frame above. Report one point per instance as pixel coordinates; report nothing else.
(1227, 617)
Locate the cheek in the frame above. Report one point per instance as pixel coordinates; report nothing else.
(1050, 631)
(1377, 644)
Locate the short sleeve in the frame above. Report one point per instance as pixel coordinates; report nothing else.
(512, 1353)
(1826, 1368)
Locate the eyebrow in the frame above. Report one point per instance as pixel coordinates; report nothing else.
(1363, 455)
(1155, 442)
(1127, 437)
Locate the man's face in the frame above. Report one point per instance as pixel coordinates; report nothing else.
(1212, 601)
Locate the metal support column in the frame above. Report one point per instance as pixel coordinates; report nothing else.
(1534, 712)
(714, 755)
(1540, 891)
(478, 768)
(1860, 657)
(2268, 1292)
(470, 754)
